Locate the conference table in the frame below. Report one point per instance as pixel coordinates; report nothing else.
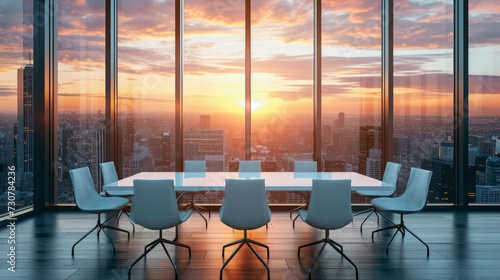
(216, 181)
(274, 181)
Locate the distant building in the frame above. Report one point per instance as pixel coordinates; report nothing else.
(370, 137)
(374, 164)
(207, 145)
(141, 161)
(493, 171)
(487, 194)
(24, 145)
(334, 165)
(204, 122)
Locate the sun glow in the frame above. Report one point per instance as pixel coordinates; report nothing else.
(255, 105)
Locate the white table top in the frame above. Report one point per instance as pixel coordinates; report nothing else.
(275, 181)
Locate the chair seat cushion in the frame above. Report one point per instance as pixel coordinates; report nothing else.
(120, 193)
(397, 205)
(375, 193)
(105, 204)
(184, 215)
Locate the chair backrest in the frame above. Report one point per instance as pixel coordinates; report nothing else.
(195, 166)
(154, 205)
(249, 166)
(108, 172)
(330, 204)
(391, 173)
(83, 186)
(245, 204)
(306, 166)
(417, 188)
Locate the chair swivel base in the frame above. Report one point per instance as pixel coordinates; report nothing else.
(371, 211)
(197, 209)
(128, 217)
(332, 243)
(100, 226)
(403, 229)
(248, 242)
(152, 245)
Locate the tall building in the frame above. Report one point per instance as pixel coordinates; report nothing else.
(99, 152)
(334, 165)
(374, 164)
(370, 137)
(493, 171)
(340, 122)
(207, 145)
(24, 145)
(204, 122)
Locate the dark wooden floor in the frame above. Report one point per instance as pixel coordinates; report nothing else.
(463, 246)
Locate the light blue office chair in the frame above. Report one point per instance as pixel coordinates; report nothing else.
(329, 208)
(198, 166)
(249, 166)
(391, 174)
(109, 176)
(413, 200)
(303, 166)
(89, 201)
(245, 207)
(155, 207)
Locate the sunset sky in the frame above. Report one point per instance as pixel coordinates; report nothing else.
(282, 56)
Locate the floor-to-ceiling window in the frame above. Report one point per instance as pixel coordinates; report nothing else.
(214, 85)
(282, 79)
(81, 91)
(423, 93)
(146, 86)
(16, 106)
(484, 102)
(351, 74)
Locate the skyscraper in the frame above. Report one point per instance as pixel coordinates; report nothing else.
(493, 171)
(370, 137)
(25, 117)
(205, 122)
(24, 145)
(207, 145)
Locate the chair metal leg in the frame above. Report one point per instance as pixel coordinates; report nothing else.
(170, 258)
(309, 244)
(230, 244)
(317, 258)
(153, 244)
(156, 242)
(118, 229)
(371, 212)
(376, 213)
(295, 220)
(349, 260)
(100, 226)
(110, 240)
(402, 229)
(362, 212)
(297, 209)
(259, 244)
(128, 217)
(89, 232)
(230, 258)
(177, 244)
(199, 212)
(248, 242)
(418, 238)
(261, 260)
(332, 243)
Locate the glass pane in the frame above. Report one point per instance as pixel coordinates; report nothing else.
(484, 101)
(146, 86)
(423, 93)
(282, 78)
(351, 132)
(81, 91)
(214, 82)
(16, 105)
